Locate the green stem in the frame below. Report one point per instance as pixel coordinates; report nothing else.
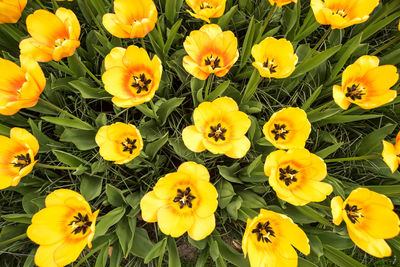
(383, 47)
(40, 4)
(79, 61)
(266, 22)
(46, 166)
(89, 10)
(12, 240)
(207, 87)
(154, 109)
(327, 32)
(143, 43)
(353, 158)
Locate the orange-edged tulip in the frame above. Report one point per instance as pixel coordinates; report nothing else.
(269, 239)
(62, 229)
(370, 220)
(280, 3)
(219, 127)
(17, 156)
(20, 87)
(342, 13)
(206, 9)
(119, 142)
(210, 50)
(182, 201)
(288, 128)
(274, 58)
(11, 10)
(54, 36)
(366, 84)
(391, 153)
(132, 18)
(130, 76)
(296, 175)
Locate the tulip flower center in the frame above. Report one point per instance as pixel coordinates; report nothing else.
(217, 132)
(140, 83)
(80, 224)
(280, 131)
(269, 64)
(340, 12)
(205, 5)
(212, 61)
(355, 92)
(59, 42)
(353, 213)
(264, 232)
(288, 175)
(129, 145)
(21, 161)
(184, 198)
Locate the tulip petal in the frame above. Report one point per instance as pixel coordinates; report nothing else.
(193, 139)
(25, 138)
(69, 251)
(116, 82)
(340, 98)
(150, 205)
(38, 51)
(60, 196)
(390, 156)
(114, 26)
(381, 222)
(194, 170)
(206, 198)
(173, 222)
(44, 256)
(226, 104)
(202, 227)
(337, 210)
(239, 149)
(114, 58)
(136, 58)
(70, 21)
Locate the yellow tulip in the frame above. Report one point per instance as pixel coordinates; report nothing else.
(219, 127)
(280, 3)
(342, 13)
(182, 201)
(130, 76)
(17, 156)
(391, 154)
(274, 58)
(366, 84)
(62, 229)
(370, 220)
(206, 9)
(269, 239)
(20, 87)
(54, 36)
(132, 18)
(210, 50)
(119, 142)
(296, 176)
(288, 128)
(11, 10)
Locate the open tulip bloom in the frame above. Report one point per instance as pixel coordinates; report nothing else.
(280, 3)
(20, 87)
(391, 153)
(342, 13)
(17, 156)
(182, 201)
(130, 76)
(219, 127)
(62, 229)
(11, 10)
(206, 9)
(132, 18)
(370, 220)
(296, 175)
(269, 239)
(366, 84)
(210, 50)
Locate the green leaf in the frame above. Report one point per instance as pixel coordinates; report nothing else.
(312, 214)
(82, 139)
(339, 258)
(88, 91)
(225, 193)
(146, 110)
(141, 243)
(18, 218)
(172, 8)
(153, 148)
(115, 196)
(251, 87)
(315, 61)
(116, 255)
(157, 251)
(125, 235)
(68, 158)
(311, 99)
(251, 200)
(213, 250)
(167, 107)
(173, 256)
(231, 255)
(387, 190)
(247, 43)
(234, 206)
(224, 21)
(109, 220)
(172, 35)
(230, 173)
(338, 241)
(101, 259)
(196, 86)
(200, 244)
(62, 121)
(329, 150)
(348, 118)
(306, 263)
(90, 187)
(218, 91)
(372, 141)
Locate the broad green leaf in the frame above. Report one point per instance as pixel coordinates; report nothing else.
(157, 251)
(82, 139)
(251, 86)
(68, 159)
(247, 43)
(234, 206)
(153, 148)
(348, 118)
(311, 99)
(173, 256)
(372, 141)
(230, 173)
(18, 218)
(224, 21)
(339, 258)
(116, 255)
(115, 196)
(101, 259)
(387, 190)
(108, 220)
(314, 215)
(200, 244)
(306, 263)
(90, 186)
(125, 235)
(141, 243)
(88, 91)
(231, 255)
(62, 121)
(252, 200)
(329, 150)
(333, 239)
(172, 35)
(167, 107)
(225, 193)
(218, 91)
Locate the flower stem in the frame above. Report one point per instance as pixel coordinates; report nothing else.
(154, 110)
(266, 22)
(79, 61)
(143, 43)
(353, 158)
(89, 10)
(46, 166)
(40, 4)
(327, 32)
(207, 87)
(394, 40)
(12, 240)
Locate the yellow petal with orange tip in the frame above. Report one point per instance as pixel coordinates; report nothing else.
(128, 102)
(381, 78)
(199, 16)
(239, 124)
(114, 26)
(337, 210)
(202, 227)
(340, 98)
(29, 65)
(70, 21)
(194, 170)
(39, 52)
(136, 56)
(44, 256)
(69, 251)
(11, 76)
(11, 10)
(167, 186)
(280, 3)
(116, 82)
(6, 177)
(67, 49)
(173, 222)
(149, 205)
(114, 58)
(239, 148)
(212, 30)
(25, 138)
(377, 101)
(193, 68)
(389, 156)
(193, 139)
(203, 114)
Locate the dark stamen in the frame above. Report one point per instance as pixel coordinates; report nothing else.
(354, 92)
(217, 132)
(280, 131)
(214, 62)
(353, 213)
(129, 145)
(184, 198)
(141, 83)
(82, 223)
(270, 66)
(288, 175)
(22, 161)
(263, 232)
(205, 5)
